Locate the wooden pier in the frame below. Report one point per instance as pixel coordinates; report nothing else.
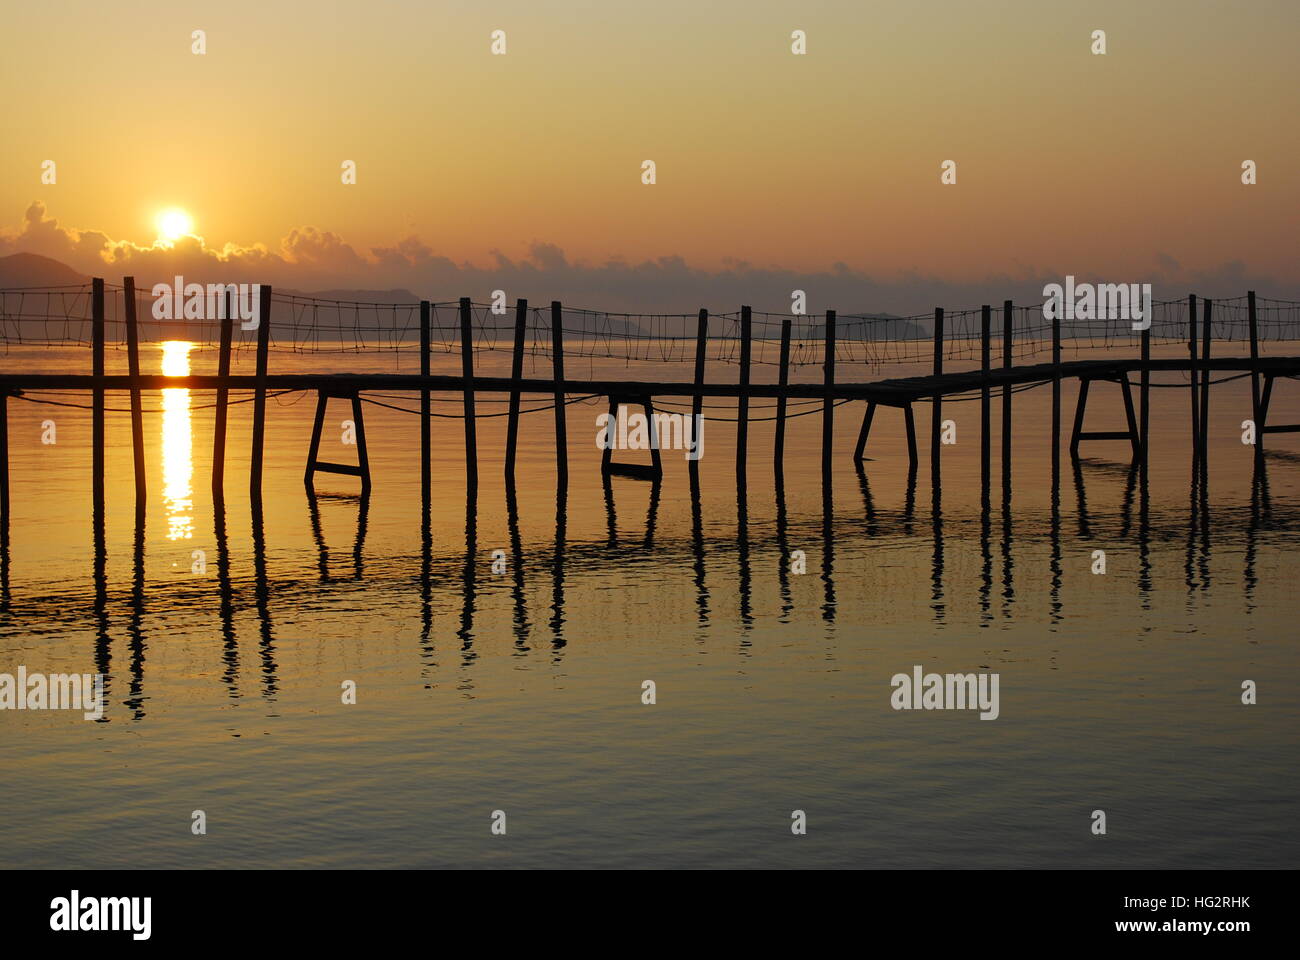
(932, 386)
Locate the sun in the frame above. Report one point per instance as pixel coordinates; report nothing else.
(173, 224)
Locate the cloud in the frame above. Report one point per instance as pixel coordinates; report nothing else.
(311, 258)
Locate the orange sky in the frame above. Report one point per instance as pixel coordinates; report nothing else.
(1067, 162)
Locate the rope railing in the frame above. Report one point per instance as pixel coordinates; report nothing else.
(60, 316)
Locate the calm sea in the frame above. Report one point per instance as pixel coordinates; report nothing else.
(521, 691)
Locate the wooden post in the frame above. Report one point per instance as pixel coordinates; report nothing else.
(426, 422)
(1196, 419)
(1206, 326)
(97, 401)
(137, 409)
(697, 401)
(223, 398)
(783, 380)
(259, 390)
(1144, 402)
(467, 373)
(1254, 375)
(985, 360)
(1007, 361)
(4, 469)
(1056, 396)
(936, 405)
(516, 374)
(561, 425)
(742, 403)
(828, 404)
(363, 463)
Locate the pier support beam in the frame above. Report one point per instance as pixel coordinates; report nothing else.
(315, 464)
(639, 471)
(1131, 434)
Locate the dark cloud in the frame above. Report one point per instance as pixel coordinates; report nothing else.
(313, 259)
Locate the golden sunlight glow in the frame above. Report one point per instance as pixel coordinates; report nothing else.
(173, 224)
(177, 443)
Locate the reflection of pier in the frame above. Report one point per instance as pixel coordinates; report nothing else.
(757, 562)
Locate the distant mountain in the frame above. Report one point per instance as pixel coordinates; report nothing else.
(33, 270)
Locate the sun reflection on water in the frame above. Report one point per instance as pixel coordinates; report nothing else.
(177, 443)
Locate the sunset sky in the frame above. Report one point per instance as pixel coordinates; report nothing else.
(1124, 166)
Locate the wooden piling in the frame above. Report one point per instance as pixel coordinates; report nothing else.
(137, 408)
(742, 402)
(259, 390)
(783, 380)
(936, 405)
(467, 373)
(97, 394)
(1008, 324)
(516, 375)
(4, 467)
(561, 424)
(1144, 405)
(223, 398)
(1254, 375)
(1194, 374)
(1206, 327)
(986, 317)
(426, 421)
(697, 401)
(828, 404)
(1056, 397)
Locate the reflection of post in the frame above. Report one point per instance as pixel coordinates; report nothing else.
(470, 578)
(828, 549)
(521, 624)
(557, 566)
(783, 544)
(136, 646)
(936, 559)
(229, 638)
(743, 577)
(262, 593)
(697, 549)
